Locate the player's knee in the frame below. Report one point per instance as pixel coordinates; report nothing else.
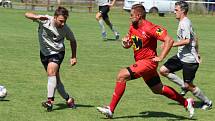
(51, 73)
(189, 86)
(163, 71)
(98, 16)
(123, 75)
(157, 91)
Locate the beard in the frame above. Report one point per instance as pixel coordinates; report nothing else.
(135, 24)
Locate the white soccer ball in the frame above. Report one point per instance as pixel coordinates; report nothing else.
(3, 92)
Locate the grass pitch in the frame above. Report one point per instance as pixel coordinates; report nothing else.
(92, 80)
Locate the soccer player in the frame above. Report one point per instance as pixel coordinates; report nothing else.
(102, 15)
(187, 59)
(143, 35)
(51, 32)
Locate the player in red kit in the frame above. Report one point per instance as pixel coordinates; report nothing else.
(143, 35)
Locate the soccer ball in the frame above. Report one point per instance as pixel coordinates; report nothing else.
(3, 92)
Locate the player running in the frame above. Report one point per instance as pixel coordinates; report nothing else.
(102, 15)
(187, 58)
(144, 35)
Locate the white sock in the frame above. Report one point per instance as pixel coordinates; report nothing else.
(199, 94)
(101, 24)
(52, 81)
(174, 78)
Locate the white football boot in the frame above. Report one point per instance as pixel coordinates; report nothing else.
(190, 107)
(106, 111)
(207, 106)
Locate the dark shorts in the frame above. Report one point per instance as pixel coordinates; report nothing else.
(104, 11)
(189, 69)
(56, 58)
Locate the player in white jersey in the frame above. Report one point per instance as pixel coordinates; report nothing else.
(51, 31)
(187, 59)
(102, 15)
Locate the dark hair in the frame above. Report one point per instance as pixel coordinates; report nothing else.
(61, 11)
(141, 9)
(183, 5)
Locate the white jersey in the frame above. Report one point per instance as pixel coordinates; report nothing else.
(103, 2)
(187, 53)
(51, 38)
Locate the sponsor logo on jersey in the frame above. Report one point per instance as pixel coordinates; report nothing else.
(159, 31)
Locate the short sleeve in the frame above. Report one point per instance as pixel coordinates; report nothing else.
(43, 21)
(185, 27)
(158, 32)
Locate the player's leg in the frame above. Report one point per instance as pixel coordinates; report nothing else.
(120, 86)
(60, 88)
(49, 103)
(157, 87)
(51, 64)
(100, 21)
(52, 82)
(172, 65)
(124, 75)
(189, 71)
(113, 29)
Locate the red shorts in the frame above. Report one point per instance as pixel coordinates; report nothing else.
(145, 68)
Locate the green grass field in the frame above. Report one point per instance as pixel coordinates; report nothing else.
(92, 80)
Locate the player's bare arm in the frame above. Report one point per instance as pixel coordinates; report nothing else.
(168, 42)
(34, 16)
(73, 59)
(181, 42)
(112, 3)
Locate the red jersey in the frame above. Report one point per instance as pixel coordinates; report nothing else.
(145, 39)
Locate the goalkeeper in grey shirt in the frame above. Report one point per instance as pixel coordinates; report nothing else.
(51, 32)
(187, 59)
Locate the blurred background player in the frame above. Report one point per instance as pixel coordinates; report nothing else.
(144, 35)
(187, 59)
(51, 32)
(102, 16)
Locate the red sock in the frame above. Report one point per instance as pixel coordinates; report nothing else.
(118, 92)
(172, 94)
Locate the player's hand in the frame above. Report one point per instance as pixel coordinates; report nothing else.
(126, 43)
(41, 17)
(157, 59)
(73, 61)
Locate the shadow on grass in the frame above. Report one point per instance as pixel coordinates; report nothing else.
(154, 114)
(110, 39)
(62, 106)
(4, 100)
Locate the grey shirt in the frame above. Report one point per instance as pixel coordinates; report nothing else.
(187, 53)
(103, 2)
(51, 38)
